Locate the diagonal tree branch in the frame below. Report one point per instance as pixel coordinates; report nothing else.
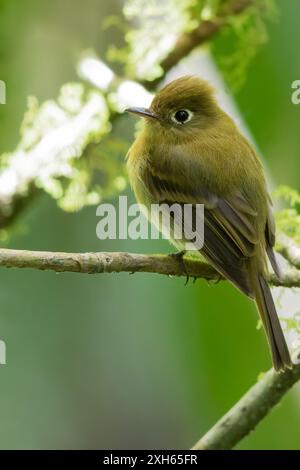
(117, 262)
(247, 413)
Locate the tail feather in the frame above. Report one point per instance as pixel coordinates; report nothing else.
(279, 350)
(273, 261)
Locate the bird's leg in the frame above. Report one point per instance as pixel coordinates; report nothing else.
(179, 257)
(218, 278)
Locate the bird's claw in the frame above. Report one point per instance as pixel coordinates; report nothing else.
(179, 257)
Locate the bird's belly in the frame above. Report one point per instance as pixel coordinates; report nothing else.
(149, 204)
(159, 216)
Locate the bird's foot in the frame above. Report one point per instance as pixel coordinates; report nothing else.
(216, 280)
(179, 257)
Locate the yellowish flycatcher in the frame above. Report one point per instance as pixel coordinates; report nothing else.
(189, 151)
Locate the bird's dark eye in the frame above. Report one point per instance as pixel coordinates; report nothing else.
(182, 116)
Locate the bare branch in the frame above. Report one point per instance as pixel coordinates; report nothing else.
(95, 263)
(109, 262)
(247, 413)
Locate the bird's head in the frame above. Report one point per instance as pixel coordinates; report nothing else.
(181, 108)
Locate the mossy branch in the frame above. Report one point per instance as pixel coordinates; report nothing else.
(245, 415)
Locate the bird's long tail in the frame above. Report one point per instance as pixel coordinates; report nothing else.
(279, 350)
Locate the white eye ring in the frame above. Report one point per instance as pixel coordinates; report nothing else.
(176, 116)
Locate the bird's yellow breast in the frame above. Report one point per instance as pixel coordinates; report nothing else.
(137, 160)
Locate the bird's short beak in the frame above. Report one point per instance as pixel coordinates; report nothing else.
(143, 112)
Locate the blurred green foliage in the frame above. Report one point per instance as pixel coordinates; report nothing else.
(248, 33)
(118, 361)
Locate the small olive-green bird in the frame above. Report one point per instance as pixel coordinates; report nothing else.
(189, 151)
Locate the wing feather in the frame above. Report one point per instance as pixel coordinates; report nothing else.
(228, 225)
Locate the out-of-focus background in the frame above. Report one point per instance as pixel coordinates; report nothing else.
(120, 361)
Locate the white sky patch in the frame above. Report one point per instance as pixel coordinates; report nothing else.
(130, 93)
(95, 71)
